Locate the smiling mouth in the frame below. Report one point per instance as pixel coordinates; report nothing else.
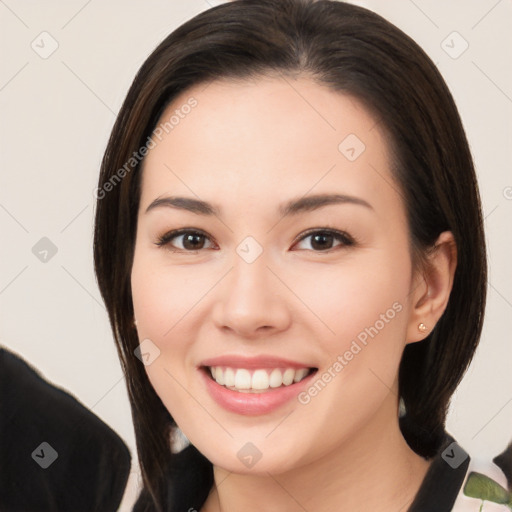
(259, 380)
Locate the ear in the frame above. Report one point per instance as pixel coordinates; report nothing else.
(431, 287)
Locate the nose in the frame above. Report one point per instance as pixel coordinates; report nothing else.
(252, 300)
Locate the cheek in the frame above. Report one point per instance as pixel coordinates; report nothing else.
(365, 307)
(361, 294)
(162, 297)
(168, 302)
(161, 300)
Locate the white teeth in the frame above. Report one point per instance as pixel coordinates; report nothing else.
(276, 378)
(260, 379)
(300, 374)
(242, 379)
(288, 376)
(219, 375)
(229, 378)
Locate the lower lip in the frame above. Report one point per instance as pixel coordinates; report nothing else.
(252, 404)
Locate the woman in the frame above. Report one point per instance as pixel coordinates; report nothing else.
(289, 243)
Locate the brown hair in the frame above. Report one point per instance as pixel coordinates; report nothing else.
(348, 49)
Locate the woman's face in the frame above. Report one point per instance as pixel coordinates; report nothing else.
(265, 282)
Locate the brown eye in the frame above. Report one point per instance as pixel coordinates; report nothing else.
(191, 240)
(323, 240)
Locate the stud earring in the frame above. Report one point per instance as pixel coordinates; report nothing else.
(422, 327)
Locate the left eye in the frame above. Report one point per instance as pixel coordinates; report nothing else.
(324, 239)
(192, 240)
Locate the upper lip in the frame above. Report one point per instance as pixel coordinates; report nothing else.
(262, 361)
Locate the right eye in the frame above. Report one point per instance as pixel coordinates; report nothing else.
(192, 240)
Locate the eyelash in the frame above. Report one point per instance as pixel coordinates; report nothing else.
(345, 239)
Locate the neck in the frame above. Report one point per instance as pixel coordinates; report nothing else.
(375, 468)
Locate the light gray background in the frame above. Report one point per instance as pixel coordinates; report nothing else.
(56, 115)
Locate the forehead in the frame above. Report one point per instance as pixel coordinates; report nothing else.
(264, 138)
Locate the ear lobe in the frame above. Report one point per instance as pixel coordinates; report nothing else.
(432, 288)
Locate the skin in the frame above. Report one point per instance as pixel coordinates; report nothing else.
(248, 146)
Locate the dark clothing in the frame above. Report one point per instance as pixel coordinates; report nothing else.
(443, 481)
(55, 454)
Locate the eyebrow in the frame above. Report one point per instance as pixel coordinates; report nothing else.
(292, 207)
